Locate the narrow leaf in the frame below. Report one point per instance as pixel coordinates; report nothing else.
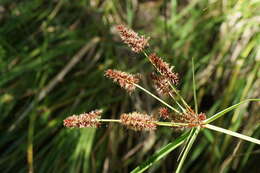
(221, 113)
(231, 133)
(161, 153)
(194, 87)
(194, 132)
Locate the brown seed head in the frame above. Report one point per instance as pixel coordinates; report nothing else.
(83, 120)
(164, 68)
(190, 118)
(137, 43)
(164, 113)
(124, 79)
(161, 84)
(138, 121)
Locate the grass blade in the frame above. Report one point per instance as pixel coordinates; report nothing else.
(194, 87)
(229, 132)
(194, 132)
(221, 113)
(190, 143)
(161, 153)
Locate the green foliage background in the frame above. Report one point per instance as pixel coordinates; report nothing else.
(52, 58)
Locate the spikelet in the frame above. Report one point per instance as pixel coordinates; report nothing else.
(83, 120)
(138, 121)
(161, 84)
(131, 38)
(164, 68)
(164, 113)
(125, 80)
(190, 118)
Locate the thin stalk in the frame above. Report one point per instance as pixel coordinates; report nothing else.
(159, 123)
(170, 124)
(178, 94)
(231, 133)
(163, 102)
(183, 110)
(109, 120)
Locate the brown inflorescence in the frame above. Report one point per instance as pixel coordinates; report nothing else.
(164, 113)
(138, 121)
(137, 43)
(125, 80)
(190, 118)
(161, 84)
(83, 120)
(164, 68)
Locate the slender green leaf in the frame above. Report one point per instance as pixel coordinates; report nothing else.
(221, 113)
(194, 87)
(231, 133)
(194, 132)
(161, 153)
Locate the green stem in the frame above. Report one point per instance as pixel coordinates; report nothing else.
(178, 94)
(170, 124)
(163, 102)
(159, 123)
(183, 110)
(109, 120)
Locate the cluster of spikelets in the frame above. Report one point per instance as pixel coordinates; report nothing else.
(136, 42)
(190, 118)
(163, 81)
(125, 80)
(90, 119)
(135, 121)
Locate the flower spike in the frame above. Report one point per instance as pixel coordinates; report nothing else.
(137, 43)
(125, 80)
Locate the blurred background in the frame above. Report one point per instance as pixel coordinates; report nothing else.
(53, 55)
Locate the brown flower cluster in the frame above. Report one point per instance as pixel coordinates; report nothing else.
(83, 120)
(125, 80)
(164, 68)
(161, 84)
(190, 117)
(138, 121)
(164, 113)
(137, 43)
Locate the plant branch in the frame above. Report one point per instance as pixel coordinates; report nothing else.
(163, 102)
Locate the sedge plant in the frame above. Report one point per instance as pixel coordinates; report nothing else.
(177, 116)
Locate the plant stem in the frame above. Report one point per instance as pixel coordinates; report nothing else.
(159, 123)
(229, 132)
(163, 102)
(183, 110)
(178, 94)
(109, 120)
(170, 124)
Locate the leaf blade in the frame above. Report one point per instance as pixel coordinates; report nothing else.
(160, 154)
(221, 113)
